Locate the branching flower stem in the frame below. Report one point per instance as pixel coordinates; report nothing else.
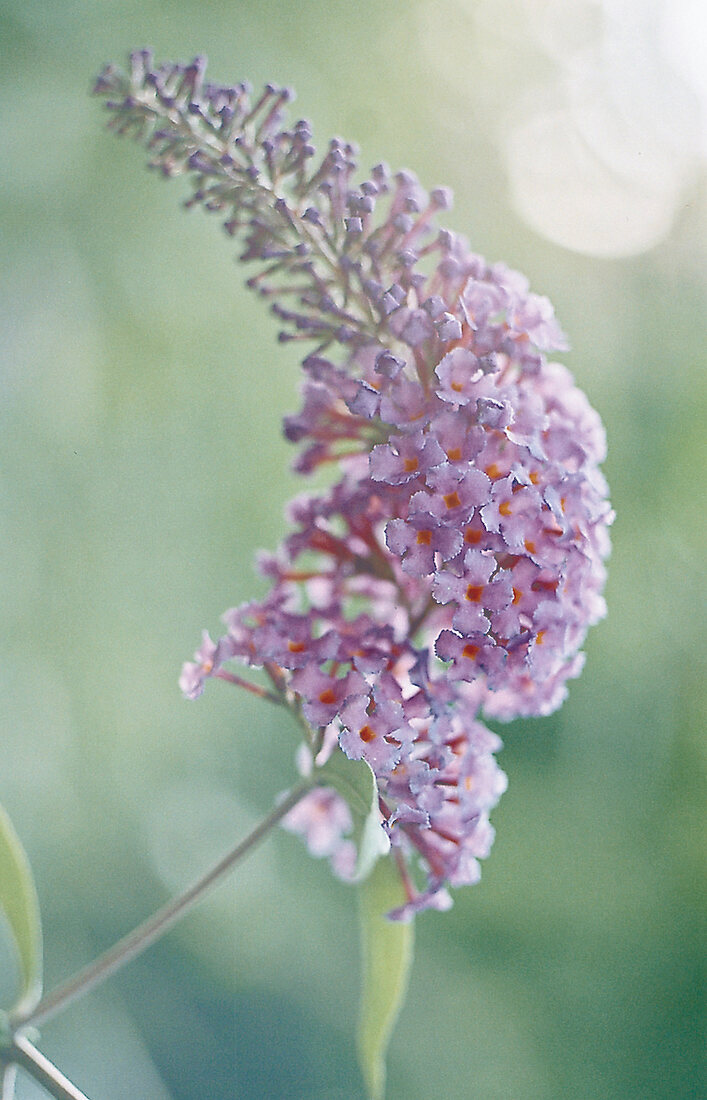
(194, 133)
(23, 1053)
(254, 689)
(147, 933)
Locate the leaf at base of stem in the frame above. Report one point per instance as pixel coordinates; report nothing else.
(386, 958)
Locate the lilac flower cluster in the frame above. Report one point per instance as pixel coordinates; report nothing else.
(453, 568)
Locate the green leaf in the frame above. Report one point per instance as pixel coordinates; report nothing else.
(386, 956)
(19, 903)
(354, 781)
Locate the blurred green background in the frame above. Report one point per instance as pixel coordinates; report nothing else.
(142, 466)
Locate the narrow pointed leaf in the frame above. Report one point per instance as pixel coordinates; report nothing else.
(19, 903)
(386, 957)
(354, 781)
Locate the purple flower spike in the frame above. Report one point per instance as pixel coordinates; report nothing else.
(455, 564)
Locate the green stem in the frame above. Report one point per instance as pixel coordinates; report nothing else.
(25, 1054)
(132, 945)
(7, 1080)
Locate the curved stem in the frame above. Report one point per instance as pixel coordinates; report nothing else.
(33, 1062)
(132, 945)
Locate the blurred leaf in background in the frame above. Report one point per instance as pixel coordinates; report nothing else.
(19, 917)
(142, 465)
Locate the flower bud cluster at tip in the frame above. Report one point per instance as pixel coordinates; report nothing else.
(453, 568)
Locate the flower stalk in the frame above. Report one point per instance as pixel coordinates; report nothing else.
(152, 929)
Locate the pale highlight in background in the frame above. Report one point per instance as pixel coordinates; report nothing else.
(600, 116)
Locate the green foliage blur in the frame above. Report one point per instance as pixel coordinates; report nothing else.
(142, 465)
